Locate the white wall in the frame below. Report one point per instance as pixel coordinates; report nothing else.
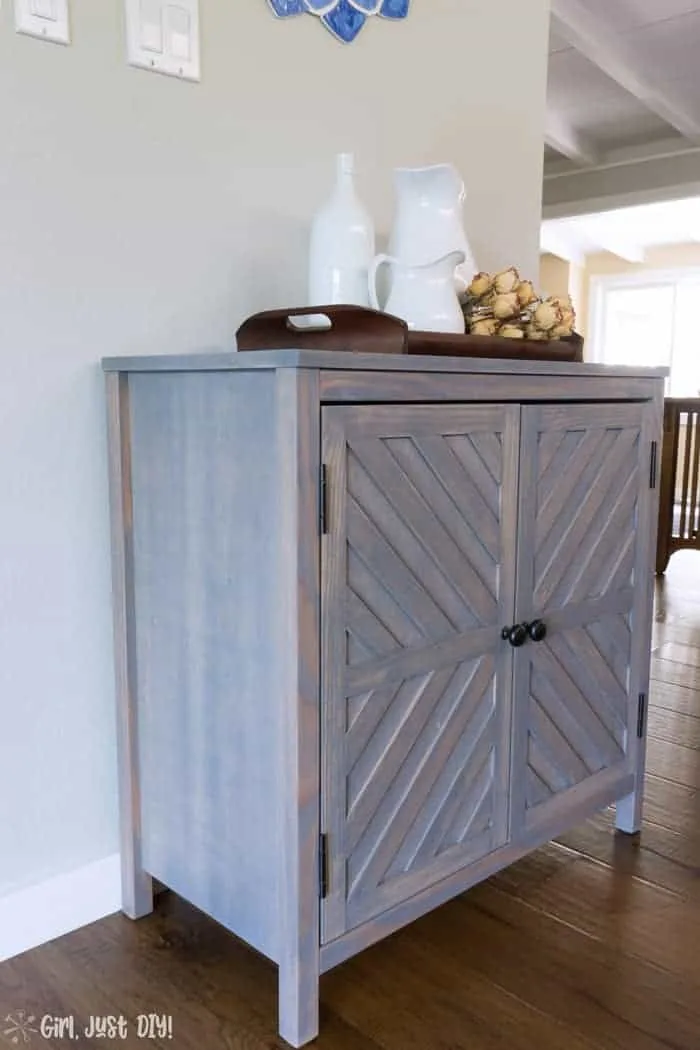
(143, 215)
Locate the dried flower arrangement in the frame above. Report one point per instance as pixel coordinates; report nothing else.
(503, 304)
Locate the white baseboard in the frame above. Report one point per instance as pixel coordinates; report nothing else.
(41, 913)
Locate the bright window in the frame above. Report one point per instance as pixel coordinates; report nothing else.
(650, 319)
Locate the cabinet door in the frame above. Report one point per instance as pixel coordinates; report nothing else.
(417, 582)
(584, 540)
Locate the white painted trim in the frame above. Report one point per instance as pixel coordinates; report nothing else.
(642, 278)
(41, 913)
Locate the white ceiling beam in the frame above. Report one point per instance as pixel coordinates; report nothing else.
(617, 245)
(616, 57)
(624, 156)
(559, 134)
(556, 240)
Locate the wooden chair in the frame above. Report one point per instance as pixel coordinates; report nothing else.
(679, 507)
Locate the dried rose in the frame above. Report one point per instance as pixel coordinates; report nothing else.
(526, 293)
(487, 326)
(535, 334)
(567, 309)
(511, 331)
(506, 281)
(482, 283)
(562, 331)
(547, 315)
(506, 306)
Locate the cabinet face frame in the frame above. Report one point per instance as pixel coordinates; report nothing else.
(361, 431)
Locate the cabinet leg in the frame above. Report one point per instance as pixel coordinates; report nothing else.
(298, 1002)
(628, 813)
(137, 892)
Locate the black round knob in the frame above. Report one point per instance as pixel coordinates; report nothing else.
(537, 630)
(516, 635)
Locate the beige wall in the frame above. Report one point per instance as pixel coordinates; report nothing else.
(555, 275)
(143, 215)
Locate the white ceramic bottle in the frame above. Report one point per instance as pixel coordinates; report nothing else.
(342, 244)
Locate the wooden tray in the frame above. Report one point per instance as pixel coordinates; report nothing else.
(437, 344)
(350, 328)
(361, 331)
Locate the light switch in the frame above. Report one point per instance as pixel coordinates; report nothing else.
(163, 36)
(178, 31)
(43, 9)
(151, 26)
(47, 19)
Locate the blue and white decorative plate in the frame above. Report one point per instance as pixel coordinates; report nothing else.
(344, 18)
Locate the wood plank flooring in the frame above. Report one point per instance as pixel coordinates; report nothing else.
(591, 943)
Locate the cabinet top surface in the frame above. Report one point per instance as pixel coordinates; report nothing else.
(339, 360)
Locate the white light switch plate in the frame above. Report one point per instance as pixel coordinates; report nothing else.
(46, 19)
(163, 36)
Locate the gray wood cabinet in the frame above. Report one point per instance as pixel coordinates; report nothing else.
(382, 626)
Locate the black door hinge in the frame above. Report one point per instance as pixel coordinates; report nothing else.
(652, 465)
(323, 867)
(323, 500)
(641, 715)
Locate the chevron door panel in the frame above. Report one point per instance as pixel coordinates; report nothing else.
(582, 569)
(418, 578)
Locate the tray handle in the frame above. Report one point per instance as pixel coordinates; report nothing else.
(352, 328)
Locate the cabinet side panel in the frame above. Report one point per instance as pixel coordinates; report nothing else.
(205, 551)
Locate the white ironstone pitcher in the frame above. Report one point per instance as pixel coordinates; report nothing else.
(428, 223)
(424, 296)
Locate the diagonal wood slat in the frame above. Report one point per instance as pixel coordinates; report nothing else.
(403, 759)
(364, 714)
(572, 483)
(380, 485)
(384, 563)
(549, 734)
(553, 660)
(447, 503)
(548, 444)
(579, 518)
(453, 473)
(474, 813)
(357, 650)
(450, 793)
(376, 597)
(410, 788)
(368, 628)
(475, 470)
(583, 658)
(554, 704)
(389, 746)
(546, 767)
(603, 551)
(612, 637)
(536, 791)
(490, 449)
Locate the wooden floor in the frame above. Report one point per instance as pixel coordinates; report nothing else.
(590, 943)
